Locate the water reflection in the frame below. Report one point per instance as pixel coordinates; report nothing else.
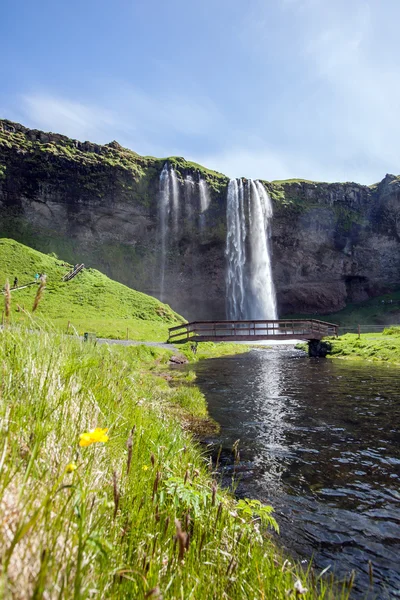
(323, 440)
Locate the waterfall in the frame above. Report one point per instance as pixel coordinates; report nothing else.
(168, 216)
(250, 290)
(175, 201)
(204, 202)
(235, 251)
(189, 187)
(163, 218)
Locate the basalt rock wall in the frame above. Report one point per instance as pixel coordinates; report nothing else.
(331, 243)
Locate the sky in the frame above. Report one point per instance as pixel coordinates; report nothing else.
(268, 89)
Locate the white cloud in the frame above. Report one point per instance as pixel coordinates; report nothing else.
(346, 115)
(75, 119)
(270, 164)
(331, 116)
(363, 117)
(158, 124)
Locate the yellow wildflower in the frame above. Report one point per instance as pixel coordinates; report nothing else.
(95, 435)
(71, 467)
(145, 468)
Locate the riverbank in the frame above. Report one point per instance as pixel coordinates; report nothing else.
(382, 347)
(104, 492)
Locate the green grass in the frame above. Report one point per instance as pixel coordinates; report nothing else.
(139, 516)
(383, 347)
(280, 181)
(90, 302)
(381, 310)
(206, 350)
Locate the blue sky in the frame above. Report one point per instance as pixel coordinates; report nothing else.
(268, 89)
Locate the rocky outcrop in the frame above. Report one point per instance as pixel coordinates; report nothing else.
(332, 243)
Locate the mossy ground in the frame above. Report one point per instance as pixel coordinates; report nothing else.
(90, 302)
(384, 347)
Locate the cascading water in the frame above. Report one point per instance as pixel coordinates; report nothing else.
(163, 218)
(173, 217)
(175, 201)
(205, 200)
(168, 216)
(250, 292)
(235, 251)
(189, 187)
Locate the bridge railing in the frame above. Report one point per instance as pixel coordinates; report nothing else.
(255, 329)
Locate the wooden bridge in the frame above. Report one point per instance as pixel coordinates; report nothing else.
(251, 331)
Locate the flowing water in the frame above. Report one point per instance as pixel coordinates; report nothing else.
(320, 441)
(205, 200)
(164, 209)
(250, 292)
(172, 216)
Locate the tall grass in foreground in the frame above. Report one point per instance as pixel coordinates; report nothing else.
(137, 516)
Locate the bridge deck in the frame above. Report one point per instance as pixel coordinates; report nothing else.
(251, 331)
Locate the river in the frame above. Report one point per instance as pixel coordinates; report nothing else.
(320, 441)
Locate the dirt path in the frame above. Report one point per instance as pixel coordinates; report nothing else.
(134, 343)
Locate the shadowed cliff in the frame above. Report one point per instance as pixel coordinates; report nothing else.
(331, 243)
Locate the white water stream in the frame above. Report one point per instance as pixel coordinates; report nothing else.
(250, 292)
(195, 197)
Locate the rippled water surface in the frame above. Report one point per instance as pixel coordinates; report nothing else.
(321, 442)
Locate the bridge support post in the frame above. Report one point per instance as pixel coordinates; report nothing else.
(318, 348)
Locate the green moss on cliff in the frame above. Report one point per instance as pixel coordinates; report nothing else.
(94, 165)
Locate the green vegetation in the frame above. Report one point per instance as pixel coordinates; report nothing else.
(381, 310)
(90, 302)
(210, 350)
(49, 152)
(283, 181)
(103, 493)
(370, 346)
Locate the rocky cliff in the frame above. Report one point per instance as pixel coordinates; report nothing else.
(331, 243)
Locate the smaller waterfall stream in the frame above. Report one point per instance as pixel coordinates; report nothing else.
(179, 203)
(250, 292)
(205, 200)
(164, 208)
(168, 216)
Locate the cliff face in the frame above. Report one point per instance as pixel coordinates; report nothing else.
(332, 243)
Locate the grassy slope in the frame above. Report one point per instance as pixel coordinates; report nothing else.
(101, 531)
(91, 301)
(370, 346)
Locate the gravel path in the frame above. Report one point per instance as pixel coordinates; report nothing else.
(133, 343)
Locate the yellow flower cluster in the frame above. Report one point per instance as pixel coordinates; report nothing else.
(93, 436)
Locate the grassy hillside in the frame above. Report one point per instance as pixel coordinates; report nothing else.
(91, 301)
